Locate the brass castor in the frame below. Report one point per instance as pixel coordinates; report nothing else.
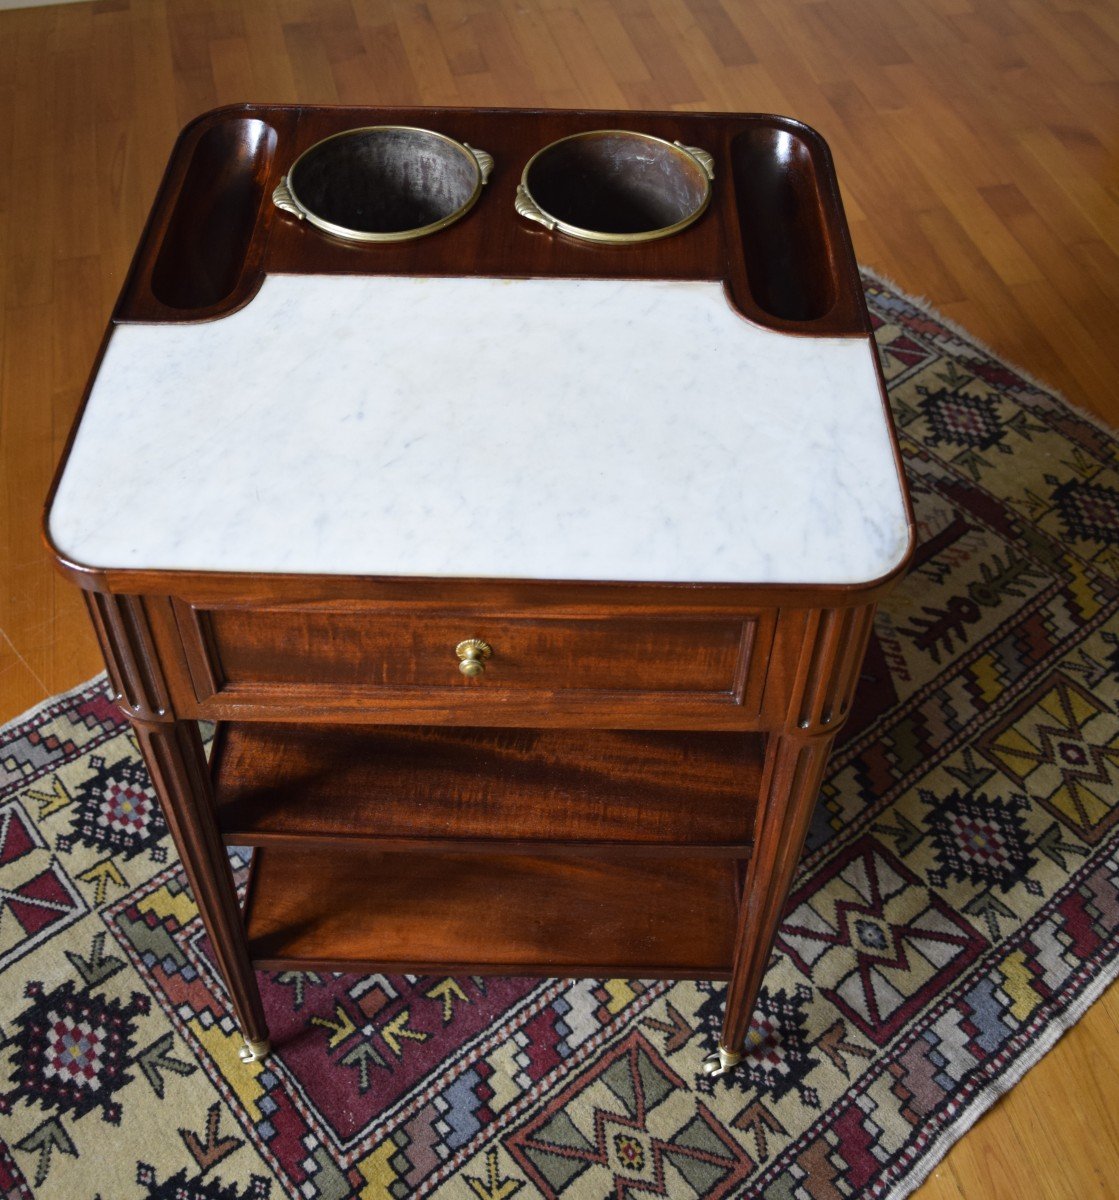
(720, 1062)
(254, 1051)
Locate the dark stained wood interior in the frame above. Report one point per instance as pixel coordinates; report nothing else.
(783, 219)
(206, 243)
(531, 786)
(799, 195)
(343, 909)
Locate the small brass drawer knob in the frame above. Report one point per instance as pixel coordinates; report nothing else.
(472, 655)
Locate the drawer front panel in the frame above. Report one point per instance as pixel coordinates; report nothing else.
(242, 652)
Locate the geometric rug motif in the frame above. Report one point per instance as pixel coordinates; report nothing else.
(613, 1131)
(955, 909)
(72, 1050)
(37, 898)
(876, 941)
(1065, 741)
(116, 811)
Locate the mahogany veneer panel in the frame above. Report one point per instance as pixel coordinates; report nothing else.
(589, 654)
(425, 783)
(261, 646)
(327, 908)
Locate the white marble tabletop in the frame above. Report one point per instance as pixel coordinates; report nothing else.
(475, 427)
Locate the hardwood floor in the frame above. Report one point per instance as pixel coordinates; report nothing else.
(975, 139)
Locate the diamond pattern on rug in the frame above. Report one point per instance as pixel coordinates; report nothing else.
(963, 420)
(875, 940)
(603, 1135)
(980, 841)
(1088, 511)
(116, 811)
(73, 1050)
(957, 904)
(1063, 741)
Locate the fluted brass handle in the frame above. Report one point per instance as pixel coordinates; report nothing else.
(282, 198)
(527, 207)
(483, 159)
(705, 159)
(472, 655)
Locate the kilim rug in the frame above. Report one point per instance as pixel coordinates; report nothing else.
(956, 909)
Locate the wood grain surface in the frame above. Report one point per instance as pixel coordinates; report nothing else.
(773, 230)
(330, 908)
(533, 787)
(975, 142)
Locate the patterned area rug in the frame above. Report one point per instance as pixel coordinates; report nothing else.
(957, 908)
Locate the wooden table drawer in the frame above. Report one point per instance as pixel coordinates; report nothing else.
(384, 657)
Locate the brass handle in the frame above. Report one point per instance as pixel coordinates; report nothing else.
(483, 159)
(283, 199)
(527, 207)
(472, 655)
(705, 159)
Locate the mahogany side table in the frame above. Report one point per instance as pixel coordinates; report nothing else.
(528, 579)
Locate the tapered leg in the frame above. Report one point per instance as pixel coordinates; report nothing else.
(176, 761)
(794, 770)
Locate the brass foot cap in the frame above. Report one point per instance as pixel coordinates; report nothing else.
(254, 1051)
(720, 1062)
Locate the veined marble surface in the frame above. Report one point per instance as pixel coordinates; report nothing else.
(539, 429)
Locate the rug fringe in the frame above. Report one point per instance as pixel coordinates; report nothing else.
(936, 1151)
(965, 335)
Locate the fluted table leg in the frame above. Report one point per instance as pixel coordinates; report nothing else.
(176, 761)
(794, 770)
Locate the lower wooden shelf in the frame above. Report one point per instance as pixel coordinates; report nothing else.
(357, 908)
